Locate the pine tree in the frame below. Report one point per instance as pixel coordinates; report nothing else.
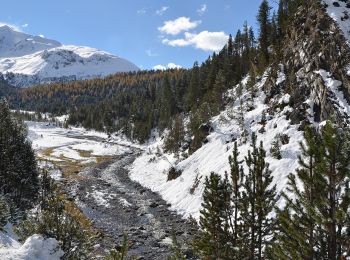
(335, 177)
(282, 17)
(265, 31)
(176, 136)
(297, 224)
(313, 224)
(275, 149)
(236, 175)
(228, 70)
(120, 254)
(218, 90)
(214, 239)
(258, 201)
(240, 119)
(18, 168)
(194, 88)
(167, 104)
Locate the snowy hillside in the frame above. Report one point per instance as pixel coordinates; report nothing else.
(185, 192)
(27, 60)
(317, 93)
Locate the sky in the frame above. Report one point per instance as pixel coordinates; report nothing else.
(150, 33)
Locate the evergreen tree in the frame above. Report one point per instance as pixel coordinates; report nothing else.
(236, 175)
(313, 224)
(167, 106)
(296, 238)
(218, 90)
(258, 201)
(18, 168)
(120, 254)
(335, 177)
(265, 31)
(275, 149)
(282, 17)
(194, 88)
(214, 239)
(176, 136)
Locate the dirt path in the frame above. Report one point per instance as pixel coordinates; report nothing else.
(115, 204)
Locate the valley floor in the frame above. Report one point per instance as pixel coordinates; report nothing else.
(94, 171)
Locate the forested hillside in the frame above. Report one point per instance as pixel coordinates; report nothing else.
(137, 102)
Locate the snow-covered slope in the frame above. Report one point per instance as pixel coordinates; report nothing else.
(16, 44)
(309, 86)
(339, 12)
(185, 192)
(27, 60)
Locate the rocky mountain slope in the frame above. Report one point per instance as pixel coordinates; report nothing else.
(27, 60)
(308, 85)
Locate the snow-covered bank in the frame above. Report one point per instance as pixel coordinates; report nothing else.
(75, 144)
(34, 248)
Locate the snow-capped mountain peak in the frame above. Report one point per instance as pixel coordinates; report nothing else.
(27, 60)
(16, 44)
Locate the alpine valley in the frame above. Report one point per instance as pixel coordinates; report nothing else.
(244, 156)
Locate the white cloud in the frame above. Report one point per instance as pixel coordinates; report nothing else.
(178, 25)
(12, 26)
(207, 41)
(174, 66)
(202, 9)
(176, 42)
(162, 10)
(169, 66)
(142, 11)
(41, 35)
(159, 67)
(150, 53)
(25, 25)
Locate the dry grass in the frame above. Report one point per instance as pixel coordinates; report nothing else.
(75, 212)
(85, 154)
(71, 168)
(100, 159)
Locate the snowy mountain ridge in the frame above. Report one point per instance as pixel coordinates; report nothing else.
(27, 60)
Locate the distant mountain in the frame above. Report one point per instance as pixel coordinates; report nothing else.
(27, 60)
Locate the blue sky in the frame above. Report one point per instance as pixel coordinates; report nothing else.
(146, 32)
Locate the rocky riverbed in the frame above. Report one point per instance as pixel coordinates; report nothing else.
(94, 174)
(117, 205)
